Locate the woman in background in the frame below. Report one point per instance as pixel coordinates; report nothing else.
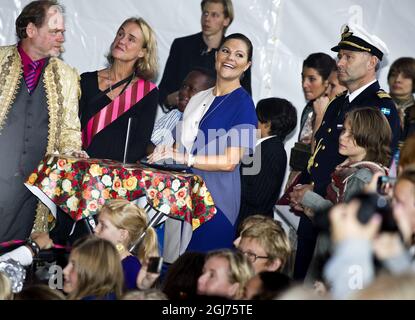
(401, 80)
(94, 271)
(317, 69)
(122, 91)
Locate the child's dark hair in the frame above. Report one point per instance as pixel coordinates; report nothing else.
(322, 62)
(281, 114)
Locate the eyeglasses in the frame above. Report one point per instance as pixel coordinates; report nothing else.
(252, 256)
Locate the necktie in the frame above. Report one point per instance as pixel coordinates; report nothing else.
(30, 77)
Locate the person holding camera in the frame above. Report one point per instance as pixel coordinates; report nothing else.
(351, 267)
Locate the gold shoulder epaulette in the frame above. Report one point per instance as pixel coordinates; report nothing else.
(382, 94)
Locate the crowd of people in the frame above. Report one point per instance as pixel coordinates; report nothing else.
(351, 182)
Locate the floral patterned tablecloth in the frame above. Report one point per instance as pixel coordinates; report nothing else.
(81, 186)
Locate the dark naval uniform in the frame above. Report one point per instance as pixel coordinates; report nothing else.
(326, 156)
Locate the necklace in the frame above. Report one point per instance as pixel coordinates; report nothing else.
(109, 80)
(209, 112)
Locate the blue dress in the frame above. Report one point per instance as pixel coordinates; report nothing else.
(131, 267)
(230, 121)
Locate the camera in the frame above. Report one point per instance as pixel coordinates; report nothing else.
(154, 264)
(370, 203)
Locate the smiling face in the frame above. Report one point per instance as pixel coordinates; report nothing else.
(128, 43)
(232, 60)
(195, 82)
(313, 84)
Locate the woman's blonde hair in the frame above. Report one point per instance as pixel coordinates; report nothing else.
(98, 268)
(240, 269)
(126, 215)
(146, 67)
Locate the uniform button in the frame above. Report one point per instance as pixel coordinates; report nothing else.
(323, 123)
(323, 148)
(316, 165)
(29, 127)
(27, 140)
(329, 130)
(24, 152)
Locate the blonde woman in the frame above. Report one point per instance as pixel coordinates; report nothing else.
(94, 271)
(122, 223)
(225, 273)
(120, 92)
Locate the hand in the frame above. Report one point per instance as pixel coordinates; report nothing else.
(297, 195)
(173, 99)
(145, 279)
(166, 152)
(42, 239)
(388, 245)
(320, 105)
(372, 186)
(80, 154)
(345, 225)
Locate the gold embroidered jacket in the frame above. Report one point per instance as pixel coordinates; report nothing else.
(61, 83)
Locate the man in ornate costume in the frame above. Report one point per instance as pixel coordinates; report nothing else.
(39, 96)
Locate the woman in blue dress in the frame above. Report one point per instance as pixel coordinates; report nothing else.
(218, 129)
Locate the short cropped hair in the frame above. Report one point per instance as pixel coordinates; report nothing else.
(272, 238)
(280, 113)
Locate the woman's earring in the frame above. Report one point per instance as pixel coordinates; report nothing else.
(120, 247)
